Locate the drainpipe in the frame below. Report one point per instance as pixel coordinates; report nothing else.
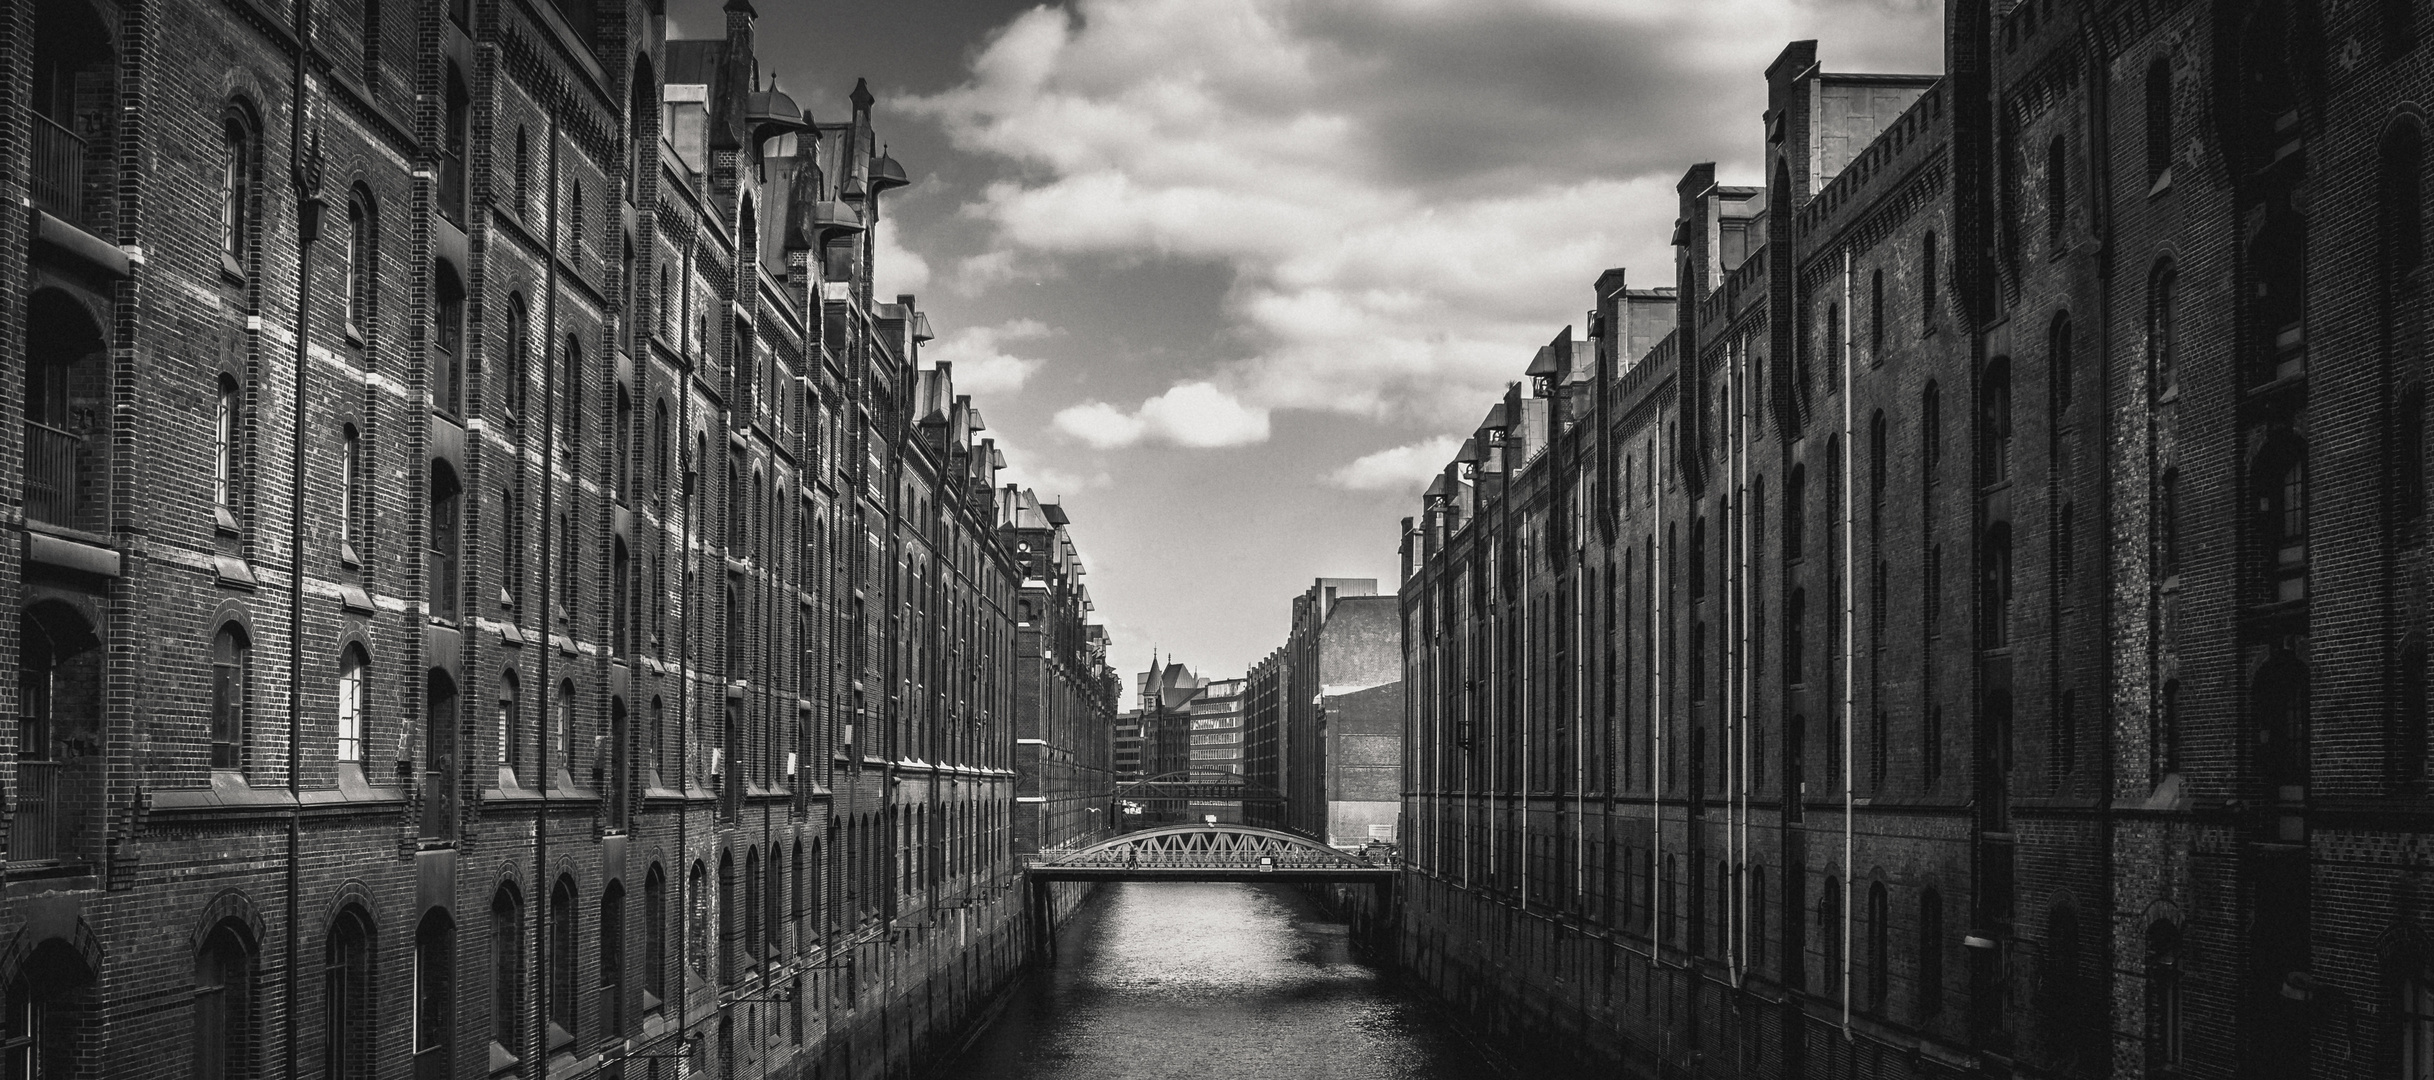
(539, 900)
(1850, 872)
(306, 163)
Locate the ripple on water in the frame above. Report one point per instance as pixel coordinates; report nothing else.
(1212, 982)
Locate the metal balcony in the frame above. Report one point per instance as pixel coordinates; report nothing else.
(38, 832)
(52, 460)
(57, 181)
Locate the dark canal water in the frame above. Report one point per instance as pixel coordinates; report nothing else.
(1213, 982)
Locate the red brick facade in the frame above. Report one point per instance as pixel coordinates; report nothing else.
(1972, 621)
(497, 595)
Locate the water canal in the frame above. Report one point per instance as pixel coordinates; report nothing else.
(1213, 982)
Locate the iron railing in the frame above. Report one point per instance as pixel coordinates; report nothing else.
(58, 181)
(38, 831)
(51, 457)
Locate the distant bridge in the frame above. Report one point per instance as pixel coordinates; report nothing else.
(1197, 785)
(1209, 853)
(1239, 853)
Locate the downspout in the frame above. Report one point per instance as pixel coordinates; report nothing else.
(1850, 872)
(538, 1040)
(2099, 144)
(306, 165)
(1656, 700)
(1738, 595)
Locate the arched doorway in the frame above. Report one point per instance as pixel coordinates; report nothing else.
(44, 1014)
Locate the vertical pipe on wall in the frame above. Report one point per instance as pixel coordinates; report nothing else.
(1842, 511)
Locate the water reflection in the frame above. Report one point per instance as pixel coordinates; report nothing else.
(1210, 982)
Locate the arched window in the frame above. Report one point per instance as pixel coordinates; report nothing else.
(448, 346)
(1698, 557)
(2159, 122)
(447, 542)
(2059, 362)
(1876, 316)
(1880, 931)
(511, 735)
(773, 908)
(351, 511)
(516, 372)
(1796, 767)
(231, 667)
(2163, 346)
(1994, 423)
(351, 701)
(457, 132)
(1929, 273)
(618, 779)
(654, 939)
(622, 463)
(1829, 939)
(227, 418)
(1931, 427)
(562, 1002)
(1795, 513)
(697, 919)
(562, 728)
(570, 395)
(359, 263)
(1757, 918)
(434, 1012)
(224, 974)
(2165, 1048)
(612, 958)
(661, 478)
(2279, 484)
(237, 147)
(439, 754)
(1995, 602)
(1795, 637)
(348, 1026)
(661, 745)
(1833, 345)
(730, 968)
(507, 956)
(1930, 952)
(621, 599)
(2057, 192)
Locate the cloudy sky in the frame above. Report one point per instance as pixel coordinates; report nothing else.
(1225, 275)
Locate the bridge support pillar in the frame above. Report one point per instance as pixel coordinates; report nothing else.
(1042, 918)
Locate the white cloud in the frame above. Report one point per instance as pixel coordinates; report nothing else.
(1399, 468)
(1410, 195)
(982, 365)
(895, 269)
(1193, 414)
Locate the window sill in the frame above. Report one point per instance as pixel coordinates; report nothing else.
(231, 271)
(2162, 185)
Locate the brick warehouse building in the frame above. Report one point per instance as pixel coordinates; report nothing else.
(497, 595)
(1972, 621)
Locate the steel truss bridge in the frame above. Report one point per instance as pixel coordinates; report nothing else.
(1240, 853)
(1197, 785)
(1209, 853)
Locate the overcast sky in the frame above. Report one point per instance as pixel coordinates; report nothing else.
(1225, 276)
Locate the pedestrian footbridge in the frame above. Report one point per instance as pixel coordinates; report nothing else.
(1209, 853)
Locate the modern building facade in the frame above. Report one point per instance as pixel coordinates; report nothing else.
(498, 595)
(1972, 624)
(1216, 734)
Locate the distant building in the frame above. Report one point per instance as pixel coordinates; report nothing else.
(1342, 712)
(1128, 745)
(1263, 722)
(1064, 694)
(1216, 745)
